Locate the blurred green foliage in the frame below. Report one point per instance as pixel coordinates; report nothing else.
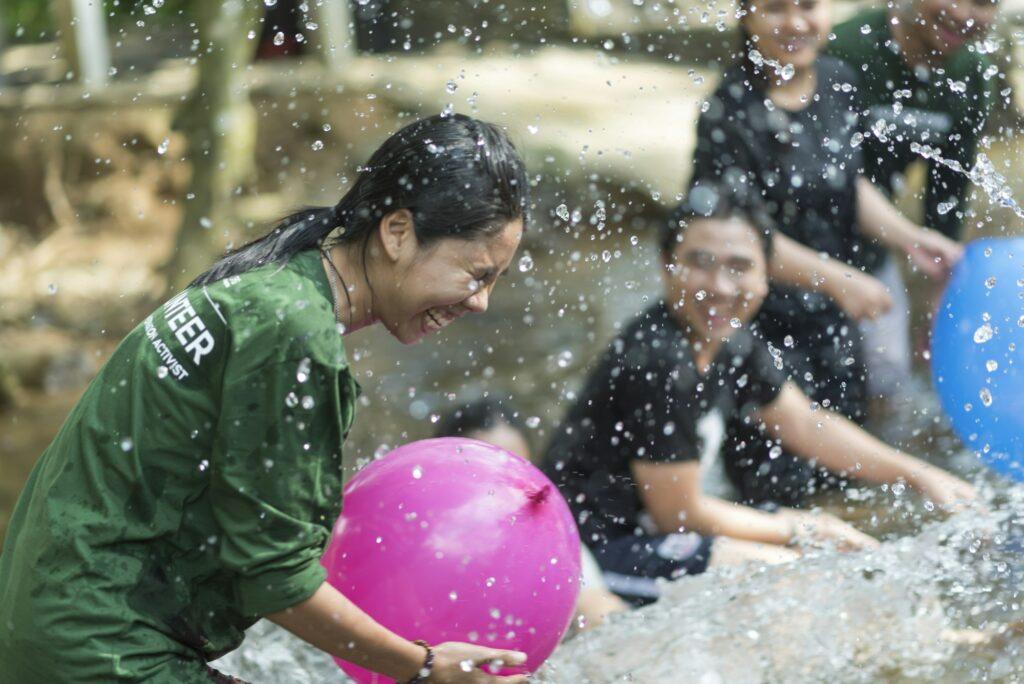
(31, 21)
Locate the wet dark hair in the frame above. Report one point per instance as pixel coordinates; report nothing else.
(719, 201)
(460, 178)
(477, 416)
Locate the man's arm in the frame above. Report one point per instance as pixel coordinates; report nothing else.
(933, 253)
(672, 496)
(859, 295)
(841, 446)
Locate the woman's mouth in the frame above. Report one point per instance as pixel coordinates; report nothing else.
(952, 36)
(434, 320)
(796, 45)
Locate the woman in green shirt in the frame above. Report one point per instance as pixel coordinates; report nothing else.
(193, 487)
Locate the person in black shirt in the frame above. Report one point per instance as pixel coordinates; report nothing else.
(784, 123)
(651, 417)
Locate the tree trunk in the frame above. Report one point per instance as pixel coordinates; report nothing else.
(220, 124)
(83, 39)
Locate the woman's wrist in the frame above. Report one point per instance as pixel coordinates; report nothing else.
(426, 667)
(408, 662)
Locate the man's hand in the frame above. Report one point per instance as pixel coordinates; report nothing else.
(860, 296)
(814, 529)
(933, 253)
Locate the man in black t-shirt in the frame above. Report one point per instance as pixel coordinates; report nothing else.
(651, 418)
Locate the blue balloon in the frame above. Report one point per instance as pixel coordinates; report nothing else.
(977, 347)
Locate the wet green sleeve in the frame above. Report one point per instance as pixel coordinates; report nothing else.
(275, 479)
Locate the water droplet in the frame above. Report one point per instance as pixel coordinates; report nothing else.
(775, 452)
(991, 366)
(700, 295)
(162, 147)
(451, 86)
(127, 444)
(302, 373)
(452, 596)
(466, 665)
(279, 38)
(736, 323)
(161, 372)
(532, 422)
(525, 263)
(532, 129)
(669, 428)
(788, 341)
(990, 282)
(52, 288)
(787, 72)
(308, 402)
(417, 473)
(983, 334)
(291, 400)
(562, 212)
(489, 582)
(204, 465)
(269, 3)
(634, 240)
(317, 145)
(986, 396)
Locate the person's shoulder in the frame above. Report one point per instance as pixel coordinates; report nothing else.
(970, 66)
(734, 85)
(279, 308)
(852, 36)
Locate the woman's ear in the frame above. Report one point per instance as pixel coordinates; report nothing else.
(398, 235)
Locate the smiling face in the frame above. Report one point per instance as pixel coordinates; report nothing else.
(718, 273)
(421, 289)
(945, 26)
(789, 31)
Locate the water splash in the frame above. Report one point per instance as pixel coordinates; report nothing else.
(940, 606)
(983, 174)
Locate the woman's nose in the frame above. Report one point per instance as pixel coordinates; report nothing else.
(477, 302)
(798, 23)
(960, 12)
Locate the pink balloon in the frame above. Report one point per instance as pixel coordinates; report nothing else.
(454, 539)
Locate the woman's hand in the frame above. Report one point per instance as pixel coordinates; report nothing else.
(813, 529)
(458, 663)
(933, 253)
(860, 296)
(945, 490)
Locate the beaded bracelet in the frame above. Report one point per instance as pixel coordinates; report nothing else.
(428, 664)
